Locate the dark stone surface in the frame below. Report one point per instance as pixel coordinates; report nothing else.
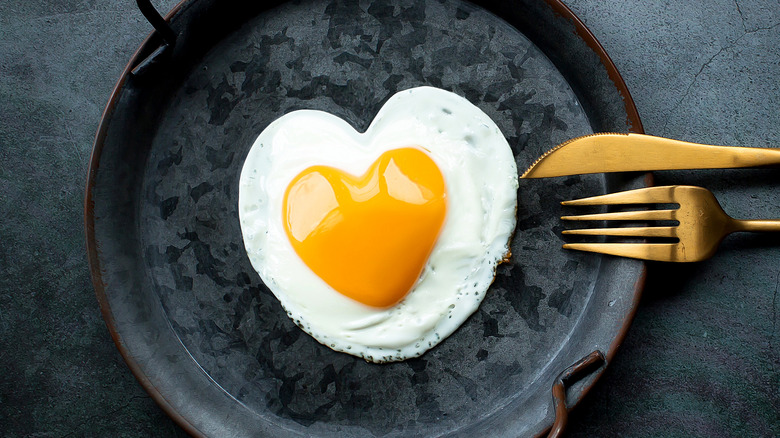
(700, 360)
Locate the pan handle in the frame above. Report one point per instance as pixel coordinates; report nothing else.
(157, 21)
(165, 31)
(570, 375)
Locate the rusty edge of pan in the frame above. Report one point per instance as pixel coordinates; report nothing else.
(635, 125)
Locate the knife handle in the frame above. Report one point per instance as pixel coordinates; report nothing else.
(685, 155)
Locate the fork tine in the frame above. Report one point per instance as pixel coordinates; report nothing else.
(649, 195)
(626, 231)
(642, 215)
(661, 252)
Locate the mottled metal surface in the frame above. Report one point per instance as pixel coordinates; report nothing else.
(347, 59)
(700, 360)
(163, 206)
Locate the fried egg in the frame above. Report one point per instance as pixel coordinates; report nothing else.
(380, 244)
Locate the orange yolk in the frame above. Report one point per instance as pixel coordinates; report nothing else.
(368, 237)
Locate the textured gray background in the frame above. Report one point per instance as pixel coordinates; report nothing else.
(700, 359)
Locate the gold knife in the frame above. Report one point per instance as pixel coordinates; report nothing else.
(612, 152)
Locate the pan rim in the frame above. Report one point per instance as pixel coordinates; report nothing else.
(93, 259)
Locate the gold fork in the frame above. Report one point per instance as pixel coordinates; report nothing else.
(702, 224)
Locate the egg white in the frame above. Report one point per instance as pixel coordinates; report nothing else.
(481, 178)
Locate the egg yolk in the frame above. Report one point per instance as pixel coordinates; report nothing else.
(370, 236)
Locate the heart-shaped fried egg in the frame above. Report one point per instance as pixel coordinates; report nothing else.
(380, 244)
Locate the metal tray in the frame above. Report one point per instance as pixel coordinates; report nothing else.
(192, 319)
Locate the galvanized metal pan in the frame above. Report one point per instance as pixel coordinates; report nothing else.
(192, 319)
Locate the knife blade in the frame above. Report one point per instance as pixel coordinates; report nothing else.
(614, 152)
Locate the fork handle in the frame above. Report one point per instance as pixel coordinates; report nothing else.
(758, 225)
